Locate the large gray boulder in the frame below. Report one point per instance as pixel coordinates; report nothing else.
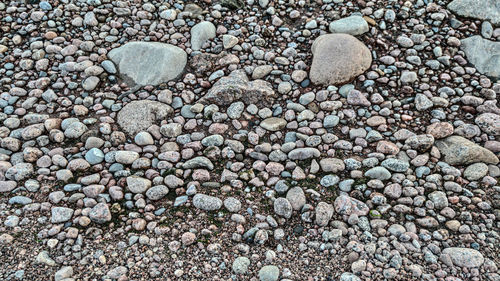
(338, 59)
(148, 63)
(137, 116)
(483, 54)
(460, 151)
(479, 9)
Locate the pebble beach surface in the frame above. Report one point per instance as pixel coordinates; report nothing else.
(256, 140)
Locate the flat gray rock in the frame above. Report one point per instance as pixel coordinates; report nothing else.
(148, 63)
(464, 257)
(137, 116)
(200, 33)
(457, 150)
(353, 25)
(483, 54)
(479, 9)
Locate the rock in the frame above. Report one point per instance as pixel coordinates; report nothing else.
(303, 153)
(232, 204)
(206, 202)
(44, 258)
(236, 87)
(422, 102)
(380, 173)
(269, 273)
(347, 276)
(117, 272)
(482, 53)
(464, 257)
(296, 197)
(396, 165)
(439, 199)
(63, 273)
(61, 214)
(143, 138)
(353, 25)
(148, 63)
(479, 9)
(94, 156)
(100, 213)
(489, 122)
(346, 205)
(198, 162)
(273, 124)
(476, 171)
(126, 157)
(157, 192)
(421, 143)
(440, 130)
(137, 184)
(460, 151)
(229, 41)
(171, 130)
(200, 33)
(240, 265)
(138, 116)
(332, 165)
(324, 213)
(338, 58)
(282, 207)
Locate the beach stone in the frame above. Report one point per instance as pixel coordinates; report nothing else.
(148, 63)
(269, 273)
(346, 205)
(483, 53)
(100, 213)
(479, 9)
(240, 265)
(200, 33)
(137, 116)
(61, 214)
(338, 58)
(457, 150)
(282, 207)
(464, 257)
(207, 202)
(353, 25)
(237, 87)
(489, 123)
(137, 184)
(323, 213)
(476, 171)
(273, 124)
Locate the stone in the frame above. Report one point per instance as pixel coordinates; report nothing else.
(323, 214)
(148, 63)
(240, 265)
(200, 33)
(273, 124)
(346, 205)
(296, 197)
(63, 273)
(483, 53)
(137, 184)
(476, 171)
(353, 25)
(207, 202)
(157, 192)
(338, 59)
(198, 162)
(44, 258)
(126, 157)
(464, 257)
(457, 150)
(144, 138)
(396, 165)
(117, 272)
(479, 9)
(440, 130)
(303, 153)
(229, 41)
(269, 273)
(282, 207)
(380, 173)
(332, 165)
(489, 122)
(94, 156)
(138, 116)
(61, 214)
(100, 213)
(232, 204)
(237, 87)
